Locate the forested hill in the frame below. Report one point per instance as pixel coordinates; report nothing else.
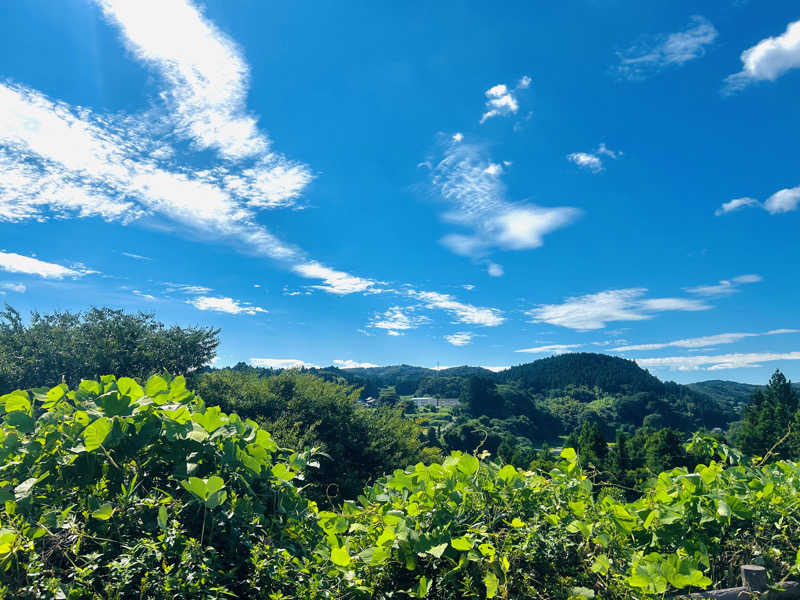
(609, 373)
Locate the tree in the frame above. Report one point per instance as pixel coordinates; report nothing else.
(767, 418)
(480, 395)
(301, 410)
(74, 346)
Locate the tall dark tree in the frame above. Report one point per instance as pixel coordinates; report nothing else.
(767, 418)
(480, 395)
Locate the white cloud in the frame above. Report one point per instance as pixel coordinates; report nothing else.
(586, 161)
(501, 101)
(335, 282)
(16, 263)
(398, 319)
(768, 59)
(550, 349)
(495, 270)
(462, 338)
(653, 54)
(144, 295)
(458, 137)
(352, 364)
(736, 204)
(593, 311)
(468, 286)
(200, 290)
(281, 363)
(463, 313)
(703, 342)
(136, 256)
(716, 362)
(785, 200)
(592, 161)
(225, 305)
(19, 288)
(726, 286)
(473, 187)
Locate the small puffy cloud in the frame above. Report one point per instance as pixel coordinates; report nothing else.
(586, 161)
(653, 54)
(462, 338)
(17, 263)
(502, 101)
(736, 204)
(592, 161)
(13, 287)
(594, 311)
(458, 137)
(785, 200)
(550, 349)
(726, 286)
(493, 169)
(767, 60)
(352, 364)
(397, 319)
(495, 270)
(281, 363)
(225, 305)
(716, 362)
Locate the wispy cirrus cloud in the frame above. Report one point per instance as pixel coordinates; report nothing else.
(472, 185)
(782, 201)
(461, 311)
(8, 286)
(716, 362)
(704, 341)
(594, 311)
(655, 53)
(550, 349)
(225, 305)
(28, 265)
(726, 286)
(767, 60)
(61, 161)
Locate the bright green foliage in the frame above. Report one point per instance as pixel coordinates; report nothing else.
(115, 491)
(768, 418)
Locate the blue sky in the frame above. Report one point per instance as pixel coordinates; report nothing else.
(377, 183)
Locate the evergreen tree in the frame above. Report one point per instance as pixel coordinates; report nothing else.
(768, 417)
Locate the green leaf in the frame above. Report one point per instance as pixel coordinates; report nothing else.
(129, 387)
(211, 419)
(340, 556)
(423, 587)
(155, 386)
(281, 471)
(491, 583)
(91, 386)
(462, 543)
(104, 512)
(96, 432)
(162, 517)
(468, 464)
(437, 551)
(17, 401)
(601, 564)
(569, 455)
(516, 523)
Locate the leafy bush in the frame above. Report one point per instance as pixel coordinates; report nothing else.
(115, 491)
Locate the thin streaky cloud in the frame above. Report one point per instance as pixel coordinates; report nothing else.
(550, 349)
(136, 256)
(703, 342)
(225, 305)
(353, 364)
(281, 363)
(716, 362)
(655, 53)
(19, 288)
(726, 286)
(594, 311)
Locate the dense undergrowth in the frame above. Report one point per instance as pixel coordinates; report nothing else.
(115, 490)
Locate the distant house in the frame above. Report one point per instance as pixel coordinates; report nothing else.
(421, 401)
